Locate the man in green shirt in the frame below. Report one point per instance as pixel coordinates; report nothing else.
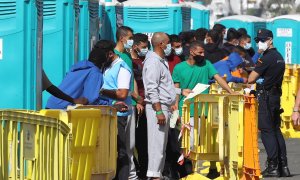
(196, 69)
(124, 37)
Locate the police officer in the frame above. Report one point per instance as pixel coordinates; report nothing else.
(271, 67)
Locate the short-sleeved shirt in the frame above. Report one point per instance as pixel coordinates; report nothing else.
(138, 75)
(188, 76)
(127, 58)
(271, 68)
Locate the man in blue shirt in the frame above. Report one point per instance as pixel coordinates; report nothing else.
(85, 79)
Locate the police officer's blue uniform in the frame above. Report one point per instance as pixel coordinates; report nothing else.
(271, 67)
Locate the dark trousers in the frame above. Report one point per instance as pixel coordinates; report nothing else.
(269, 124)
(123, 160)
(141, 144)
(172, 169)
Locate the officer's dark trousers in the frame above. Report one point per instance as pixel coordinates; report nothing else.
(122, 161)
(269, 125)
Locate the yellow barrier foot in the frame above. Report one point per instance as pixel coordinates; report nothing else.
(195, 176)
(207, 165)
(291, 134)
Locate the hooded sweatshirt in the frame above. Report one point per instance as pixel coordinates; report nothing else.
(84, 80)
(213, 53)
(228, 47)
(227, 66)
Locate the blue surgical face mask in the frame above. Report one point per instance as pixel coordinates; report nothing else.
(168, 50)
(247, 46)
(128, 44)
(143, 52)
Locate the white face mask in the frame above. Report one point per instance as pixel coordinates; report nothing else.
(205, 41)
(263, 46)
(143, 52)
(128, 44)
(178, 51)
(247, 46)
(168, 50)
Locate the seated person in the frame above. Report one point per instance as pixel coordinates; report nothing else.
(85, 79)
(226, 67)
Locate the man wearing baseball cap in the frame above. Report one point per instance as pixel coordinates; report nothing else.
(270, 67)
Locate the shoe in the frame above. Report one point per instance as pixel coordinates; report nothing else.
(271, 169)
(213, 174)
(283, 167)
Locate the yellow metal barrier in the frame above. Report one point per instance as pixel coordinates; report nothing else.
(290, 87)
(215, 88)
(33, 146)
(251, 166)
(105, 158)
(93, 141)
(219, 133)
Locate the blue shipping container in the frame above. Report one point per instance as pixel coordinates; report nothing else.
(58, 40)
(286, 36)
(251, 23)
(149, 17)
(109, 20)
(88, 27)
(18, 20)
(199, 15)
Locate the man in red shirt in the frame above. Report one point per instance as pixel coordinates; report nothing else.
(139, 50)
(173, 58)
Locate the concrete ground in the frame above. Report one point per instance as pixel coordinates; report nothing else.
(293, 152)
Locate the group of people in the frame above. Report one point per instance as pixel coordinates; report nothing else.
(146, 86)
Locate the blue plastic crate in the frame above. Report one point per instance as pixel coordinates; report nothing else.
(18, 20)
(286, 36)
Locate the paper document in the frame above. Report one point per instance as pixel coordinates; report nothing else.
(198, 89)
(174, 117)
(248, 90)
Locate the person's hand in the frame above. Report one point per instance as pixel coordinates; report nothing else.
(140, 100)
(81, 100)
(139, 108)
(295, 118)
(186, 92)
(249, 85)
(161, 119)
(245, 80)
(260, 51)
(174, 107)
(121, 106)
(235, 93)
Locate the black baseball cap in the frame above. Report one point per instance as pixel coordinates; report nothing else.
(263, 35)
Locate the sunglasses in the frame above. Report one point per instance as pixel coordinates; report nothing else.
(262, 40)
